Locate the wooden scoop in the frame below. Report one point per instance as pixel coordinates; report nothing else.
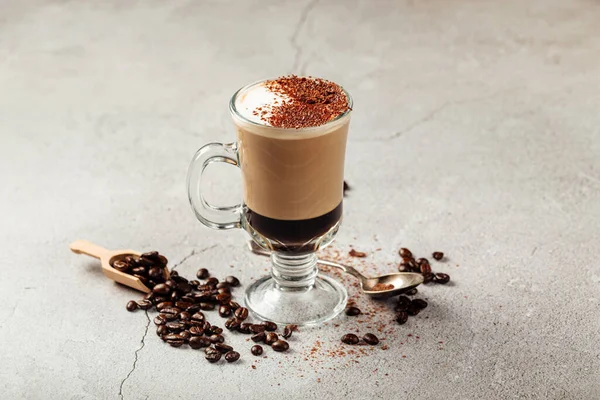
(107, 258)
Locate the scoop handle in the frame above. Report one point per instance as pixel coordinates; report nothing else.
(88, 248)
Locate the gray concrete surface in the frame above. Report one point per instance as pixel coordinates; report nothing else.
(476, 131)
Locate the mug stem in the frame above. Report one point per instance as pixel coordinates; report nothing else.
(294, 271)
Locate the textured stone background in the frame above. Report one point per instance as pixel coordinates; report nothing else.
(475, 131)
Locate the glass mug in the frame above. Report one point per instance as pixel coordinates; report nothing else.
(292, 206)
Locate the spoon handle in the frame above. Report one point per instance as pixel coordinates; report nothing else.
(88, 248)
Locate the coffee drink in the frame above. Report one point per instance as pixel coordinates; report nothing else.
(291, 140)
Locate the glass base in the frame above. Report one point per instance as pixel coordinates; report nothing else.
(322, 301)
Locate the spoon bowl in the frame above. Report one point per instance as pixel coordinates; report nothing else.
(378, 287)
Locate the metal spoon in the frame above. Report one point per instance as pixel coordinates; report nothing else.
(401, 281)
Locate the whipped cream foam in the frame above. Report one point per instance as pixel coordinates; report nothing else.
(256, 101)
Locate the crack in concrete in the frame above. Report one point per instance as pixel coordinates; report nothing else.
(533, 251)
(294, 39)
(143, 343)
(191, 254)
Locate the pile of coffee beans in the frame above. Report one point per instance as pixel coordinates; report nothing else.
(150, 268)
(181, 304)
(405, 307)
(422, 266)
(352, 339)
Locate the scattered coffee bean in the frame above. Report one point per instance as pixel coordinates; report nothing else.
(131, 306)
(234, 305)
(198, 317)
(442, 278)
(402, 317)
(163, 304)
(202, 273)
(403, 303)
(175, 326)
(196, 330)
(224, 310)
(213, 357)
(185, 335)
(223, 285)
(121, 265)
(183, 305)
(404, 267)
(155, 272)
(207, 306)
(197, 342)
(241, 313)
(216, 338)
(371, 339)
(353, 311)
(256, 350)
(287, 332)
(350, 338)
(185, 316)
(211, 349)
(161, 288)
(222, 347)
(421, 261)
(159, 320)
(174, 273)
(271, 338)
(232, 280)
(413, 310)
(425, 268)
(269, 326)
(437, 255)
(258, 337)
(427, 277)
(419, 303)
(232, 356)
(144, 304)
(162, 330)
(244, 327)
(212, 281)
(255, 328)
(404, 252)
(223, 298)
(176, 343)
(232, 323)
(215, 330)
(280, 345)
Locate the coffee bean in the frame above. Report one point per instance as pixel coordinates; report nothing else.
(198, 317)
(161, 288)
(412, 292)
(202, 273)
(442, 278)
(232, 323)
(131, 306)
(258, 337)
(164, 304)
(232, 356)
(419, 303)
(223, 287)
(403, 303)
(162, 330)
(402, 317)
(155, 272)
(212, 281)
(197, 342)
(160, 320)
(174, 273)
(213, 357)
(223, 298)
(121, 265)
(183, 287)
(437, 255)
(171, 310)
(172, 336)
(234, 305)
(162, 260)
(413, 310)
(176, 343)
(350, 338)
(185, 335)
(179, 279)
(151, 255)
(422, 260)
(232, 280)
(194, 282)
(269, 326)
(224, 311)
(168, 316)
(207, 306)
(280, 345)
(174, 296)
(404, 267)
(271, 338)
(171, 283)
(141, 271)
(144, 304)
(175, 326)
(255, 328)
(185, 316)
(256, 350)
(193, 309)
(244, 327)
(425, 268)
(222, 347)
(216, 338)
(371, 339)
(427, 277)
(241, 313)
(196, 330)
(352, 311)
(211, 349)
(404, 252)
(215, 330)
(287, 332)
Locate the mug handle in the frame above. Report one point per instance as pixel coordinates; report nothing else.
(212, 216)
